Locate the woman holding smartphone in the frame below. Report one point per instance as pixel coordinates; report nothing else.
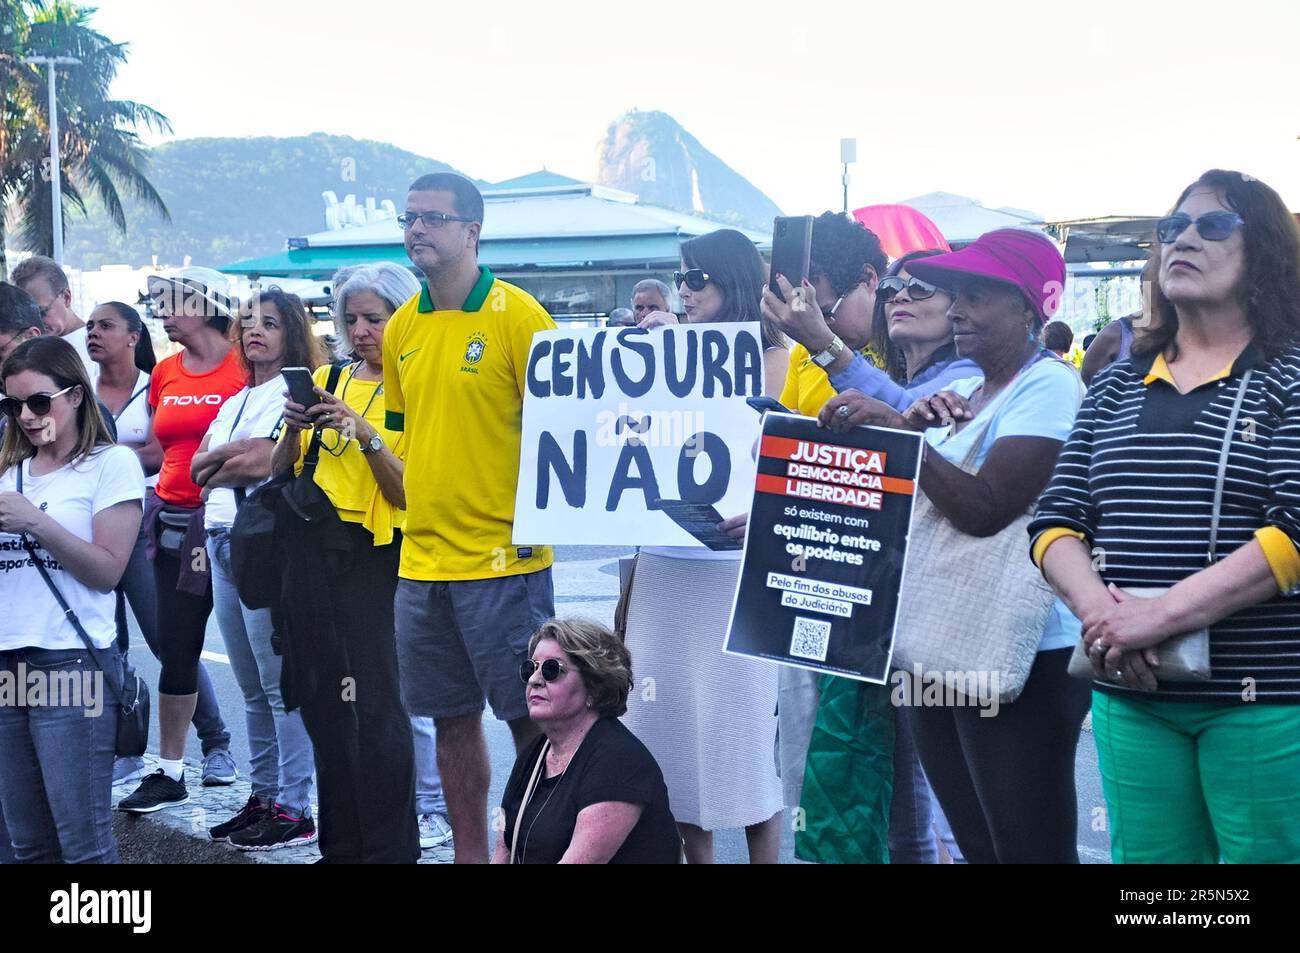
(711, 721)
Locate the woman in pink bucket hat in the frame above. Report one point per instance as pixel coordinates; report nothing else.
(1004, 776)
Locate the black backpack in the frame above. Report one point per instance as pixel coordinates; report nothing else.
(256, 538)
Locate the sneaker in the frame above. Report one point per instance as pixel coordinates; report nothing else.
(277, 828)
(251, 813)
(156, 792)
(434, 830)
(126, 770)
(219, 768)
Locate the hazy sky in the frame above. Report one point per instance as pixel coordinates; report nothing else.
(1066, 109)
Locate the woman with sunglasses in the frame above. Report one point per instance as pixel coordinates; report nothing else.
(710, 721)
(74, 498)
(586, 791)
(1194, 771)
(339, 628)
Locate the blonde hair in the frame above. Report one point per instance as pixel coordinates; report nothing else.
(59, 361)
(603, 662)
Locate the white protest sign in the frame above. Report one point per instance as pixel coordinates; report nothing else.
(617, 419)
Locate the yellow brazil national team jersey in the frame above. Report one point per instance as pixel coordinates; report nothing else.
(807, 388)
(454, 385)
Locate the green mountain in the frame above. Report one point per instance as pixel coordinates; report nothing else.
(651, 155)
(237, 198)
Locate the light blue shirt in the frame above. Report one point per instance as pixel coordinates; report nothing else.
(1041, 402)
(862, 375)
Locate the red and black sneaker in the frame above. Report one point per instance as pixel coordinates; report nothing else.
(277, 828)
(251, 813)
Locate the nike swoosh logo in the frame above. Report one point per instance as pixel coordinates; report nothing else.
(402, 357)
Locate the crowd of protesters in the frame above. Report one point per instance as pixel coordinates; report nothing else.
(1150, 512)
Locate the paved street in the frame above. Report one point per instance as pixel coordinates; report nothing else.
(586, 584)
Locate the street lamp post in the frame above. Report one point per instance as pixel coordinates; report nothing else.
(848, 154)
(56, 177)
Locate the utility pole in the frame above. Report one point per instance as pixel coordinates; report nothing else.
(56, 178)
(848, 154)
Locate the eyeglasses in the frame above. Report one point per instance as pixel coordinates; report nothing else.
(916, 289)
(1212, 226)
(39, 403)
(430, 219)
(695, 279)
(551, 669)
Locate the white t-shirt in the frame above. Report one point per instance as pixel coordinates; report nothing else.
(77, 339)
(253, 412)
(1040, 402)
(133, 421)
(72, 495)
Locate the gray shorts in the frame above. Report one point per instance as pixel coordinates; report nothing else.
(461, 641)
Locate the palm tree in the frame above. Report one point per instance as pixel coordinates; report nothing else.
(101, 153)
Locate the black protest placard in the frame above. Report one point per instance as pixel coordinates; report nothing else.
(826, 545)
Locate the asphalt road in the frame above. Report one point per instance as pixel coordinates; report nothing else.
(586, 584)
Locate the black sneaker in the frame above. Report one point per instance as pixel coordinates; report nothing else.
(155, 792)
(251, 813)
(277, 828)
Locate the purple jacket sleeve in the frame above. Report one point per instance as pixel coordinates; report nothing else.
(863, 376)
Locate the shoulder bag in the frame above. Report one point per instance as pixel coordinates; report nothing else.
(1184, 657)
(129, 689)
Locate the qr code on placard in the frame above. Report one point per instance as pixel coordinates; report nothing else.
(811, 639)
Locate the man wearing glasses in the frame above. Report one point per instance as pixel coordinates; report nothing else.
(468, 597)
(47, 283)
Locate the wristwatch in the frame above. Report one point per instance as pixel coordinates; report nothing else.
(826, 358)
(374, 446)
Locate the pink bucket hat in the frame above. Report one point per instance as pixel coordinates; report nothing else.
(1014, 256)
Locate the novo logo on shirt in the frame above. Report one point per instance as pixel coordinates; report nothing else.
(189, 400)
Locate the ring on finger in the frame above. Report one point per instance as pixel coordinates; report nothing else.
(843, 410)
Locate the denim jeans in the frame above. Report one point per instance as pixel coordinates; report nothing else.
(280, 752)
(56, 766)
(428, 783)
(139, 588)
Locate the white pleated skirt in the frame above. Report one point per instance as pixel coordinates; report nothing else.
(708, 718)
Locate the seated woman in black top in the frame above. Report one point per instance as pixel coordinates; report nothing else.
(587, 791)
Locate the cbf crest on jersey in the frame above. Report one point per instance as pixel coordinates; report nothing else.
(475, 347)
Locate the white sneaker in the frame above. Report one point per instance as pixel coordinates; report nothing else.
(434, 830)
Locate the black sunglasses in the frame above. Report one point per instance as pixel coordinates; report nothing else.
(695, 279)
(551, 669)
(917, 289)
(1212, 226)
(39, 403)
(430, 219)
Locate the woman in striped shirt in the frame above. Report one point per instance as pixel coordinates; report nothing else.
(1194, 771)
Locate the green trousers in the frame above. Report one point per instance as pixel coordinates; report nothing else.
(1193, 783)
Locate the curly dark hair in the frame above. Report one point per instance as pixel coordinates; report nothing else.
(1270, 286)
(302, 348)
(842, 250)
(895, 362)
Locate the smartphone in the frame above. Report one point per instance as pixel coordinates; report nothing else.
(763, 404)
(791, 247)
(301, 386)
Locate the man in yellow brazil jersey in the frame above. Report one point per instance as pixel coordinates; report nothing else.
(468, 598)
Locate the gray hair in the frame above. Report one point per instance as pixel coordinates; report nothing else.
(653, 284)
(394, 284)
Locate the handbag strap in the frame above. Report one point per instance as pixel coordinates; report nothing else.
(313, 449)
(528, 795)
(1219, 477)
(68, 611)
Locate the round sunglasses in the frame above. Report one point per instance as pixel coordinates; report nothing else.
(917, 289)
(695, 279)
(1212, 226)
(551, 669)
(39, 403)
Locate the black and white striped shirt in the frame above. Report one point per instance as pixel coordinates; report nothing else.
(1137, 477)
